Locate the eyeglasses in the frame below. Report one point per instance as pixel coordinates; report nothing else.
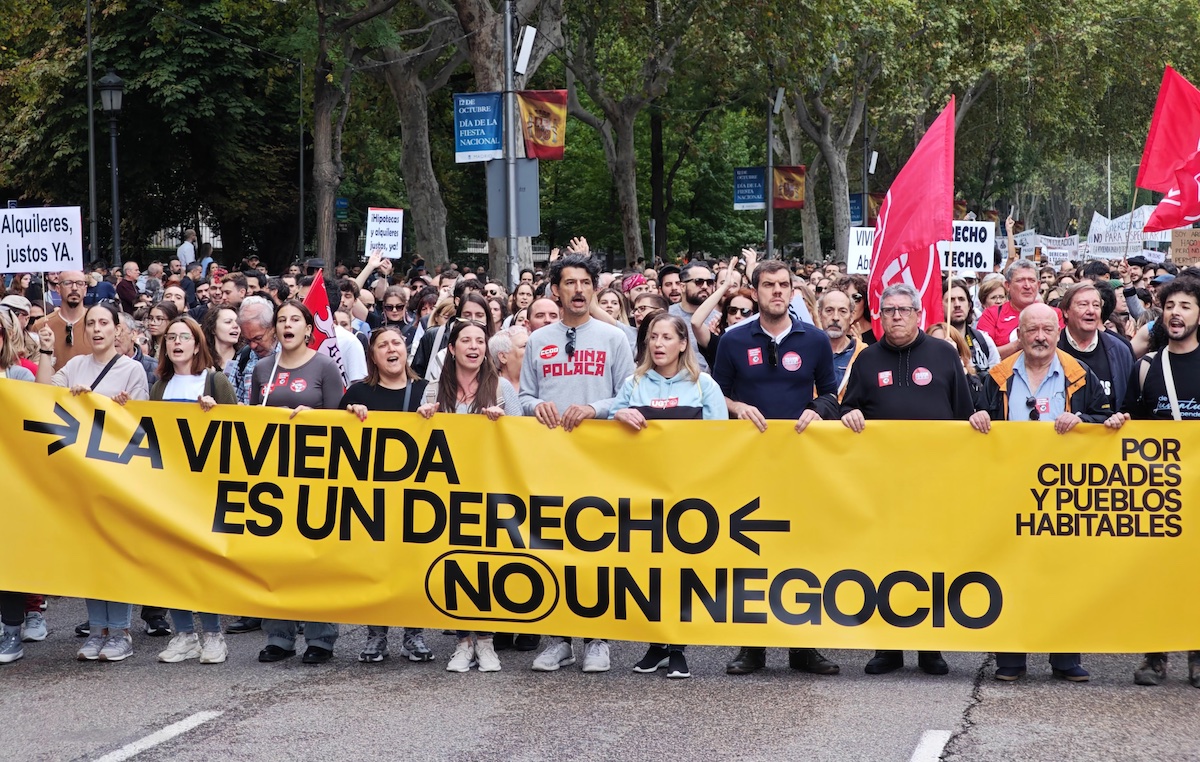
(702, 281)
(743, 311)
(73, 283)
(772, 354)
(901, 311)
(181, 338)
(156, 319)
(570, 343)
(393, 307)
(1031, 403)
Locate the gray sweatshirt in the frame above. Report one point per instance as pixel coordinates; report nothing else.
(592, 376)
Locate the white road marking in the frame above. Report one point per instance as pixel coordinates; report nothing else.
(931, 745)
(162, 736)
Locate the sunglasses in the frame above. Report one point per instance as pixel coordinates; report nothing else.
(772, 354)
(570, 343)
(702, 281)
(743, 311)
(1031, 403)
(70, 335)
(393, 307)
(857, 298)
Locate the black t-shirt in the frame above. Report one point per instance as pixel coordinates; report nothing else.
(1097, 360)
(1153, 402)
(387, 400)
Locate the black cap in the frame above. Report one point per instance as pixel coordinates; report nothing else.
(314, 264)
(1138, 261)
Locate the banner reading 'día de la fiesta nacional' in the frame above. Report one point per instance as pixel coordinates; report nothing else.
(910, 535)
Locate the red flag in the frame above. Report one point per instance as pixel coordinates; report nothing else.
(324, 335)
(1174, 132)
(917, 212)
(1180, 208)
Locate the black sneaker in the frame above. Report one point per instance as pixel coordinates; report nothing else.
(811, 660)
(243, 624)
(527, 642)
(884, 662)
(83, 630)
(656, 658)
(749, 660)
(502, 641)
(157, 627)
(317, 655)
(932, 663)
(677, 668)
(1152, 671)
(275, 653)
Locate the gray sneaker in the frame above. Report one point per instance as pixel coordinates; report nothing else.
(10, 644)
(413, 647)
(90, 651)
(34, 629)
(117, 647)
(376, 649)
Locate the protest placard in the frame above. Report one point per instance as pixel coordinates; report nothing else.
(385, 231)
(41, 239)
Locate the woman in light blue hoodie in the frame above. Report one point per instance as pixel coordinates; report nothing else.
(666, 384)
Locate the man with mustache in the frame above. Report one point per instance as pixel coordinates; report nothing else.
(1042, 382)
(835, 311)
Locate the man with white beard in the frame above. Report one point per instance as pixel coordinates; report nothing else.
(834, 312)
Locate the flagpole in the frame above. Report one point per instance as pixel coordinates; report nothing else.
(1129, 228)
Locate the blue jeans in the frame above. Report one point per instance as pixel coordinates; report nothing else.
(184, 621)
(109, 615)
(1057, 661)
(283, 633)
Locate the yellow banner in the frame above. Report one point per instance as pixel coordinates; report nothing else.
(910, 535)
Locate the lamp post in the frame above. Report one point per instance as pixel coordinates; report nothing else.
(112, 88)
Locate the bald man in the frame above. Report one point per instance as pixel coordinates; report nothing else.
(1041, 382)
(67, 320)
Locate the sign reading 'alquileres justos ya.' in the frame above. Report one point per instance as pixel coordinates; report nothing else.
(910, 535)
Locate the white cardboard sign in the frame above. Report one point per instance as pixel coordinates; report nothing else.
(385, 231)
(41, 239)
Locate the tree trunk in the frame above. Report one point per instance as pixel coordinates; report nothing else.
(426, 208)
(326, 174)
(658, 204)
(810, 221)
(624, 172)
(839, 189)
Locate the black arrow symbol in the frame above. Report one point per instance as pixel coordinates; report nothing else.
(68, 430)
(739, 525)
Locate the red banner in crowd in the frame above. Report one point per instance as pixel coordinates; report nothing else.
(544, 122)
(1174, 133)
(324, 335)
(916, 213)
(1181, 206)
(788, 190)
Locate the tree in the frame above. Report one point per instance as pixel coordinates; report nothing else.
(611, 48)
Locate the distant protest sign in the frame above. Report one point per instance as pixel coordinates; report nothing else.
(1121, 236)
(973, 247)
(1185, 247)
(41, 239)
(385, 231)
(858, 257)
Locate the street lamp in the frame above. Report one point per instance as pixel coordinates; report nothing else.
(112, 88)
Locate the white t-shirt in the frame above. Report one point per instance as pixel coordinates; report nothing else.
(185, 388)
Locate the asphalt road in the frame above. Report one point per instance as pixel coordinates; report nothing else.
(58, 709)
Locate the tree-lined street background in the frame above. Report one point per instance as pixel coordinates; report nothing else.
(667, 97)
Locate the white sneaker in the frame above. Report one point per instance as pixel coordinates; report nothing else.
(463, 658)
(184, 646)
(117, 647)
(90, 651)
(485, 654)
(595, 657)
(557, 654)
(34, 629)
(213, 649)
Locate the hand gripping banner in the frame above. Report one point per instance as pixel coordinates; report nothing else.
(911, 535)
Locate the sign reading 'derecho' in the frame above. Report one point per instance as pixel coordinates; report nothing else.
(41, 239)
(385, 231)
(972, 248)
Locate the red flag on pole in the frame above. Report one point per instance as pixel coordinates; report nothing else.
(917, 212)
(1174, 132)
(324, 335)
(1180, 208)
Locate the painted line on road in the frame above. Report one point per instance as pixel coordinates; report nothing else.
(161, 736)
(929, 749)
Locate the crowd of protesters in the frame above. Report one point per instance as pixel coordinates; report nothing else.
(1096, 342)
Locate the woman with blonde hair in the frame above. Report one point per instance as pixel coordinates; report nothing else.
(666, 384)
(992, 293)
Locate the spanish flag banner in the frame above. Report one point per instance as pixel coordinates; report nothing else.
(788, 192)
(544, 122)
